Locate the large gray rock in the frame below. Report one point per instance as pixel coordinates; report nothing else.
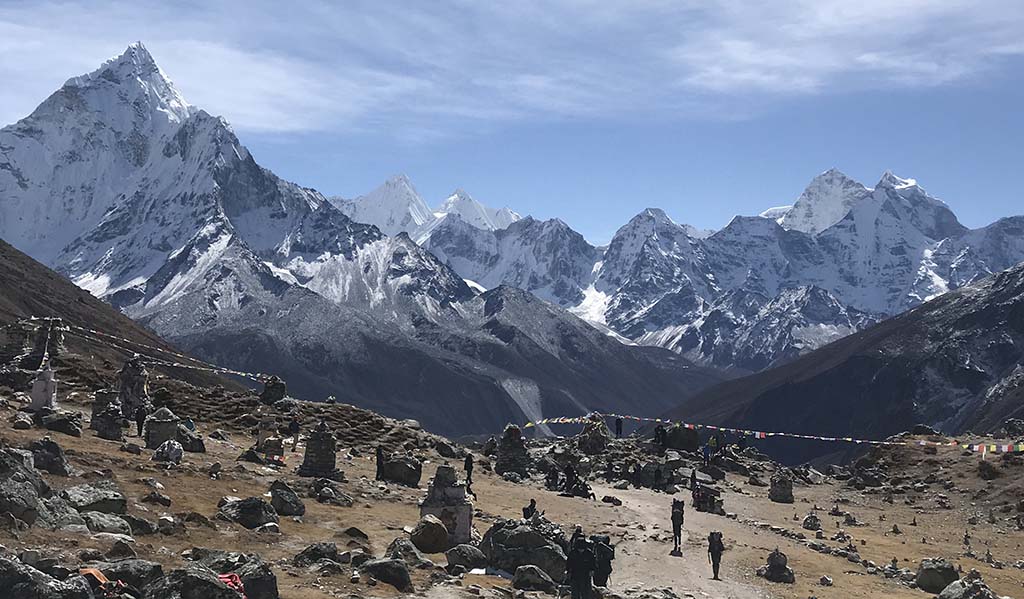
(101, 496)
(777, 569)
(56, 513)
(316, 552)
(391, 571)
(258, 578)
(69, 423)
(509, 544)
(285, 501)
(190, 441)
(532, 578)
(138, 573)
(467, 556)
(24, 582)
(430, 535)
(49, 457)
(21, 486)
(251, 512)
(935, 574)
(190, 582)
(404, 550)
(100, 522)
(169, 452)
(402, 469)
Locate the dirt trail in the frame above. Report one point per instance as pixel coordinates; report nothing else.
(642, 557)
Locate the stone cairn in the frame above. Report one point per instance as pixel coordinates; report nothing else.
(274, 390)
(107, 419)
(321, 454)
(133, 389)
(781, 489)
(101, 400)
(512, 454)
(777, 570)
(447, 500)
(161, 426)
(595, 436)
(44, 389)
(267, 439)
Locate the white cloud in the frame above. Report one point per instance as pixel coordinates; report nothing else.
(417, 70)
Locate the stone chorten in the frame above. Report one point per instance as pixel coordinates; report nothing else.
(103, 399)
(161, 426)
(133, 386)
(512, 454)
(447, 500)
(321, 454)
(44, 389)
(109, 423)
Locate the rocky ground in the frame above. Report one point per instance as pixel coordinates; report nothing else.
(932, 495)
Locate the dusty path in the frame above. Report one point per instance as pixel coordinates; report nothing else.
(642, 557)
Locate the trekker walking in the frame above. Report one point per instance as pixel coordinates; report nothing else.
(467, 465)
(141, 413)
(618, 428)
(293, 430)
(715, 549)
(380, 462)
(604, 553)
(579, 564)
(693, 479)
(677, 525)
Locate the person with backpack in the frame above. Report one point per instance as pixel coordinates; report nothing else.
(579, 565)
(293, 430)
(604, 553)
(677, 525)
(618, 428)
(715, 549)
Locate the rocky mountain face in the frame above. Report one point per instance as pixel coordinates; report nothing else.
(154, 205)
(758, 292)
(954, 363)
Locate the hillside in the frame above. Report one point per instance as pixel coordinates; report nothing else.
(954, 363)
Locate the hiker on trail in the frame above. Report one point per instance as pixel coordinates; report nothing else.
(293, 430)
(713, 444)
(660, 437)
(380, 462)
(579, 565)
(604, 553)
(467, 465)
(141, 413)
(715, 549)
(707, 453)
(693, 479)
(570, 478)
(531, 510)
(618, 428)
(657, 479)
(637, 471)
(677, 525)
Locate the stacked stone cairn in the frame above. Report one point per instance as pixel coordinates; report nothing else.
(512, 454)
(447, 500)
(320, 459)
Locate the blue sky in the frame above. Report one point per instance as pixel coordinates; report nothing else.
(584, 110)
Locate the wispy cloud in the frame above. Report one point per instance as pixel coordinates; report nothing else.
(423, 69)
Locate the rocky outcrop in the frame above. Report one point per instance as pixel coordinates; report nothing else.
(251, 512)
(402, 469)
(509, 544)
(102, 496)
(284, 500)
(935, 574)
(532, 578)
(781, 487)
(391, 571)
(430, 535)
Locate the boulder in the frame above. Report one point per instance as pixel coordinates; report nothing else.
(169, 452)
(509, 544)
(445, 450)
(49, 457)
(812, 522)
(391, 571)
(781, 487)
(316, 552)
(20, 486)
(191, 582)
(404, 550)
(969, 587)
(285, 501)
(430, 535)
(189, 440)
(56, 513)
(402, 469)
(935, 574)
(251, 512)
(139, 526)
(988, 471)
(69, 423)
(101, 522)
(257, 577)
(25, 582)
(138, 573)
(158, 498)
(467, 556)
(101, 496)
(532, 578)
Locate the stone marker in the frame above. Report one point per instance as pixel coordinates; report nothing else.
(320, 459)
(447, 501)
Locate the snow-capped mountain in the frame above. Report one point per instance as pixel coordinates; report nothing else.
(395, 207)
(154, 205)
(825, 201)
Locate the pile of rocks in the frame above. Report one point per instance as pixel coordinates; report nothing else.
(509, 544)
(512, 455)
(777, 570)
